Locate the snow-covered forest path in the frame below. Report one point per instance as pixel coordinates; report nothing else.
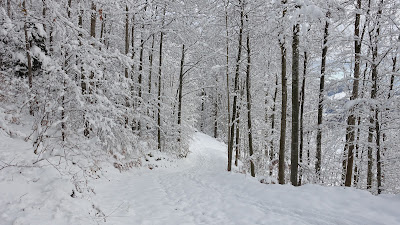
(200, 191)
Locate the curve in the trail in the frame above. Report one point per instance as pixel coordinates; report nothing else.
(200, 191)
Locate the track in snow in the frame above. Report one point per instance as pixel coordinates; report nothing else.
(200, 191)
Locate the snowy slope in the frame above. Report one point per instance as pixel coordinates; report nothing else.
(200, 191)
(196, 190)
(35, 193)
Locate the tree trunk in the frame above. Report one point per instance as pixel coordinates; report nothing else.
(237, 137)
(302, 97)
(151, 62)
(93, 35)
(93, 21)
(294, 156)
(28, 51)
(237, 72)
(140, 75)
(69, 8)
(282, 141)
(351, 120)
(227, 87)
(374, 119)
(9, 8)
(321, 100)
(216, 116)
(126, 37)
(357, 155)
(248, 91)
(159, 85)
(180, 93)
(272, 149)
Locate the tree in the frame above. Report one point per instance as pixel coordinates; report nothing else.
(248, 98)
(351, 120)
(321, 98)
(281, 168)
(236, 87)
(294, 156)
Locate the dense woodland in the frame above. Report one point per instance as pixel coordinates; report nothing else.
(300, 91)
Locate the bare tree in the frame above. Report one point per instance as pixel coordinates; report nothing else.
(294, 156)
(282, 141)
(180, 93)
(248, 91)
(321, 98)
(351, 120)
(159, 84)
(237, 72)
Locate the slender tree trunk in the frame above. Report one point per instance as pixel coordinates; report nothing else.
(237, 72)
(151, 62)
(141, 64)
(159, 85)
(302, 97)
(272, 148)
(202, 119)
(9, 8)
(374, 119)
(69, 8)
(248, 91)
(126, 37)
(356, 171)
(28, 51)
(237, 137)
(216, 110)
(282, 140)
(321, 100)
(227, 87)
(44, 14)
(93, 35)
(294, 156)
(180, 93)
(377, 123)
(133, 46)
(351, 120)
(140, 75)
(102, 18)
(93, 21)
(126, 53)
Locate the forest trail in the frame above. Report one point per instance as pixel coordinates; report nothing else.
(200, 191)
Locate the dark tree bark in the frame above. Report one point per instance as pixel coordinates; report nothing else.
(321, 100)
(351, 120)
(69, 8)
(227, 82)
(28, 50)
(216, 117)
(180, 93)
(282, 140)
(374, 118)
(203, 97)
(93, 21)
(9, 8)
(302, 97)
(237, 72)
(272, 147)
(159, 84)
(248, 91)
(151, 62)
(294, 156)
(237, 136)
(126, 36)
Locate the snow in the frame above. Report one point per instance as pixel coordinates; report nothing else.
(200, 191)
(194, 190)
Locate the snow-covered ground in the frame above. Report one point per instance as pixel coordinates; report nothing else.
(197, 190)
